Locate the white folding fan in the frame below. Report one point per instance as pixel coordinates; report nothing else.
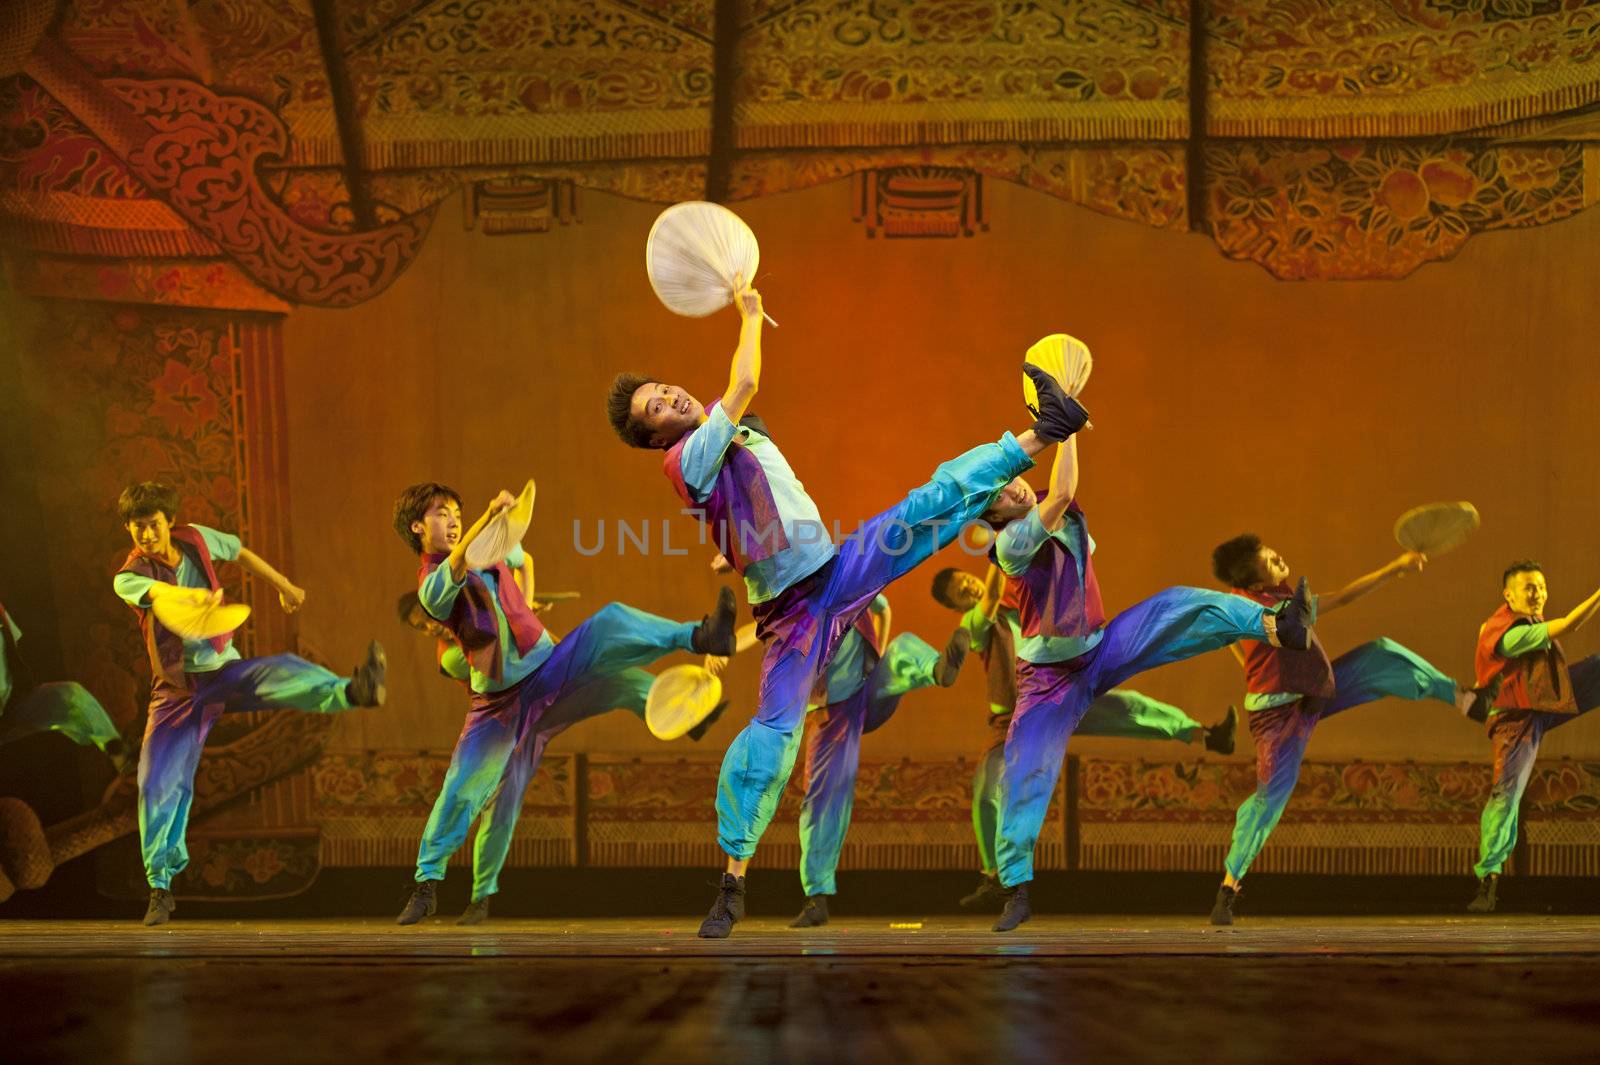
(699, 255)
(503, 532)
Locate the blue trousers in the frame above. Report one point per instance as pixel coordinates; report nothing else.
(176, 730)
(834, 754)
(1052, 699)
(614, 639)
(760, 759)
(1122, 714)
(1516, 735)
(619, 691)
(1377, 670)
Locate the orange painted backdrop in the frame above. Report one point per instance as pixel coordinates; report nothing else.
(1223, 400)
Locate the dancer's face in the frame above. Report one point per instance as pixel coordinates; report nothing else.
(1271, 567)
(422, 621)
(964, 591)
(152, 535)
(1526, 594)
(440, 526)
(666, 410)
(1013, 502)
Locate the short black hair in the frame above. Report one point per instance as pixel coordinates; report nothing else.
(146, 498)
(1521, 565)
(1233, 562)
(619, 409)
(942, 583)
(416, 501)
(407, 605)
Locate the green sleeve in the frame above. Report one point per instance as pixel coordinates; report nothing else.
(1525, 639)
(453, 664)
(977, 624)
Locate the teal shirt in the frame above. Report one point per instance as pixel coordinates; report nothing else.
(809, 546)
(438, 595)
(1015, 549)
(848, 671)
(198, 655)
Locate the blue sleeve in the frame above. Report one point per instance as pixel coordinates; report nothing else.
(1018, 542)
(438, 591)
(703, 452)
(131, 588)
(224, 547)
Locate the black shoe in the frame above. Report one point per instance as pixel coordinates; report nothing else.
(728, 910)
(1481, 700)
(475, 913)
(988, 895)
(699, 731)
(160, 909)
(1296, 618)
(366, 683)
(1219, 737)
(1017, 910)
(714, 634)
(1222, 909)
(1058, 414)
(1485, 901)
(814, 914)
(423, 902)
(948, 667)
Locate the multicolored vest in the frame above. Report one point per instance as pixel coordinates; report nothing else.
(741, 506)
(1270, 670)
(473, 621)
(164, 646)
(1049, 596)
(1535, 681)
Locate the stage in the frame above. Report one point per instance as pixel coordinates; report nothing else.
(871, 989)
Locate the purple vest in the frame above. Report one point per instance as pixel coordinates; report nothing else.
(164, 646)
(473, 620)
(1051, 600)
(740, 512)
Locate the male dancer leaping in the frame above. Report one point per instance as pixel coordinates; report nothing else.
(1289, 691)
(516, 671)
(1070, 655)
(989, 609)
(805, 593)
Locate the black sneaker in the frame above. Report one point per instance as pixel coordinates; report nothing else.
(1017, 910)
(1479, 701)
(1222, 909)
(988, 895)
(160, 909)
(1219, 737)
(366, 683)
(475, 913)
(1058, 414)
(814, 914)
(714, 634)
(699, 731)
(948, 667)
(728, 910)
(1295, 620)
(423, 902)
(1488, 889)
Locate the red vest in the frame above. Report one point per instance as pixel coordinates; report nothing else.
(1270, 670)
(164, 646)
(1535, 681)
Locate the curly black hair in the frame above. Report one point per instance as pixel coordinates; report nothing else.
(146, 498)
(619, 409)
(413, 503)
(1234, 562)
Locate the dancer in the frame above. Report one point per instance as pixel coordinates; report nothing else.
(805, 593)
(515, 670)
(1520, 660)
(64, 707)
(1069, 655)
(1289, 691)
(990, 615)
(626, 690)
(196, 681)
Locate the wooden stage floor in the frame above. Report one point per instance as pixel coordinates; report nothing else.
(642, 991)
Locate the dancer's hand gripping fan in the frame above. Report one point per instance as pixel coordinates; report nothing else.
(502, 532)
